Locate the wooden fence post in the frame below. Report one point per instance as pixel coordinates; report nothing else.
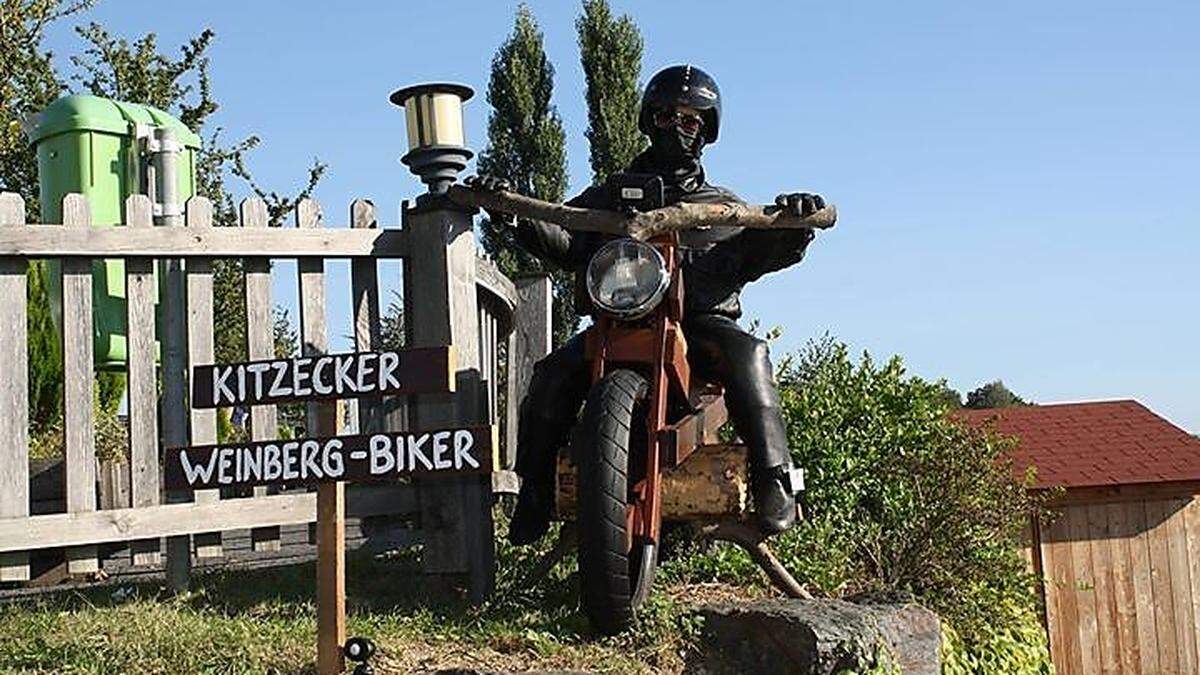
(200, 352)
(321, 419)
(456, 517)
(78, 376)
(14, 391)
(364, 299)
(145, 488)
(260, 344)
(531, 340)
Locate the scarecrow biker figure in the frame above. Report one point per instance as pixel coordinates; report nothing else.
(680, 113)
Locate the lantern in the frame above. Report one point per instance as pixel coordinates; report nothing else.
(436, 145)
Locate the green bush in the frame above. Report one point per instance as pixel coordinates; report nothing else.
(1019, 646)
(901, 503)
(47, 440)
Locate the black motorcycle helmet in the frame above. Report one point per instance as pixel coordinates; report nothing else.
(684, 85)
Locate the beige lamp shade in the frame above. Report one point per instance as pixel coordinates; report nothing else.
(433, 114)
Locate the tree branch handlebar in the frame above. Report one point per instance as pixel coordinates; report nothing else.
(642, 225)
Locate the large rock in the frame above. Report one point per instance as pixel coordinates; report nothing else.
(821, 637)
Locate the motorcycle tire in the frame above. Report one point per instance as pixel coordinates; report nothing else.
(609, 445)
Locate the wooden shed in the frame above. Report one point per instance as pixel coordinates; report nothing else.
(1121, 564)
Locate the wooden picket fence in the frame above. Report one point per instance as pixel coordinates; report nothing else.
(451, 296)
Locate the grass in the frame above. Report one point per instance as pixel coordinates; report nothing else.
(263, 621)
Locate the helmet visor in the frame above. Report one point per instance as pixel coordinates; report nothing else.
(689, 122)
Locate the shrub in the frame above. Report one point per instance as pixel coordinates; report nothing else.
(1017, 647)
(901, 502)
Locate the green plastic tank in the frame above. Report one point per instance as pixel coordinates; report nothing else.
(97, 147)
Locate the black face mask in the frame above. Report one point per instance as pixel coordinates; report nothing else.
(673, 148)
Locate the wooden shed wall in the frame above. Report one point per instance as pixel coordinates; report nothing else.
(1123, 584)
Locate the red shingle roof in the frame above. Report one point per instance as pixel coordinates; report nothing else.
(1095, 444)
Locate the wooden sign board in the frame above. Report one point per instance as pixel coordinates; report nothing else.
(312, 461)
(411, 371)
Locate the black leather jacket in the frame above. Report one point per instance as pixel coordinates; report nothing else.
(717, 262)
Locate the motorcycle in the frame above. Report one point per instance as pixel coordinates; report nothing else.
(643, 392)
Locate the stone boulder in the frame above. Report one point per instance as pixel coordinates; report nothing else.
(817, 636)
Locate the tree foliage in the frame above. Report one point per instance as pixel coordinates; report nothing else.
(28, 84)
(610, 51)
(993, 395)
(949, 395)
(526, 146)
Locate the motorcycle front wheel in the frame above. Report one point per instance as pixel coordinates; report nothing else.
(615, 572)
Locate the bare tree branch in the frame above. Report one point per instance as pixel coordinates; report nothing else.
(641, 225)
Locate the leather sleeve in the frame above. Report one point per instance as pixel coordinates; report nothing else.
(554, 243)
(761, 252)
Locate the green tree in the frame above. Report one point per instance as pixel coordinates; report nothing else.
(949, 395)
(526, 146)
(610, 51)
(391, 324)
(993, 395)
(28, 84)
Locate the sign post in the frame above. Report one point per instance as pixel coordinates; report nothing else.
(331, 563)
(325, 458)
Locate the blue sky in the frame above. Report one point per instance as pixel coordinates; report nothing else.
(1017, 182)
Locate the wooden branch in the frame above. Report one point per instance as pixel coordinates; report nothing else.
(755, 543)
(642, 225)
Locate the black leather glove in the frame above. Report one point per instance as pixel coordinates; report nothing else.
(493, 184)
(800, 204)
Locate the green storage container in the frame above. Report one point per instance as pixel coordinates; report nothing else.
(96, 147)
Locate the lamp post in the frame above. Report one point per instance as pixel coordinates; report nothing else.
(436, 145)
(439, 277)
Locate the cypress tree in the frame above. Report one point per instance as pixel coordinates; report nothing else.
(526, 147)
(610, 50)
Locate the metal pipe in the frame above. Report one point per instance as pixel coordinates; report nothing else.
(165, 150)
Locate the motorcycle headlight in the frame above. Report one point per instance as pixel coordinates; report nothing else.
(627, 278)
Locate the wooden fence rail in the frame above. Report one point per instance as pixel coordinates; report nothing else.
(450, 296)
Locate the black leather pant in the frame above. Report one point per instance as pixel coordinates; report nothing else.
(718, 351)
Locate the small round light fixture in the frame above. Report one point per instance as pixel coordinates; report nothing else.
(436, 145)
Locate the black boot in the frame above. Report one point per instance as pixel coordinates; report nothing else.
(774, 499)
(531, 517)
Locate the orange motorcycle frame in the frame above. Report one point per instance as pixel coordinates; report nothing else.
(653, 345)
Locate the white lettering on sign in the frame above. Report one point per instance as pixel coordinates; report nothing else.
(277, 389)
(197, 473)
(318, 382)
(323, 376)
(377, 456)
(300, 377)
(440, 448)
(388, 363)
(463, 442)
(272, 467)
(221, 384)
(382, 459)
(364, 371)
(257, 370)
(331, 459)
(342, 368)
